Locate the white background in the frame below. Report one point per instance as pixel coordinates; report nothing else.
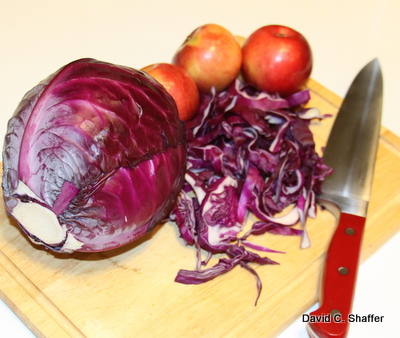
(38, 37)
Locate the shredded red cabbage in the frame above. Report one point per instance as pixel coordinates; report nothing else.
(249, 151)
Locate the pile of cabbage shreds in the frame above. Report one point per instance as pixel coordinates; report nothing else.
(249, 152)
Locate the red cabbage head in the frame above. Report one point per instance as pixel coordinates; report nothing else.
(94, 157)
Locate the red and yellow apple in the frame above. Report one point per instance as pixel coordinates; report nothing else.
(240, 39)
(276, 59)
(179, 85)
(211, 55)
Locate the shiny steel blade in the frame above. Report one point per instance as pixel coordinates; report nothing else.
(353, 143)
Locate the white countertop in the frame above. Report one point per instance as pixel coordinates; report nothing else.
(38, 37)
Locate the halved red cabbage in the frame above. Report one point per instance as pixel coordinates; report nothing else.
(94, 157)
(249, 151)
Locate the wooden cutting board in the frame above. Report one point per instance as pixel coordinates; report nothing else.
(131, 291)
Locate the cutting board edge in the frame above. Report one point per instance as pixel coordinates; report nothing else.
(386, 135)
(29, 296)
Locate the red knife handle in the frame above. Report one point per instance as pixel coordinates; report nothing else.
(339, 278)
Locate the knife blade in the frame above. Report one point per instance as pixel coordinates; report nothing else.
(351, 152)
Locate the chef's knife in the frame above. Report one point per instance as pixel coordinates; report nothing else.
(351, 152)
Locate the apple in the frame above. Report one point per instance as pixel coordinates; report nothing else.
(276, 59)
(240, 39)
(212, 57)
(179, 85)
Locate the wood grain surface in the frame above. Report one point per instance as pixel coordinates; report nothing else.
(131, 291)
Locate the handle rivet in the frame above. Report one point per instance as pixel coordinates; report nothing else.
(343, 271)
(350, 231)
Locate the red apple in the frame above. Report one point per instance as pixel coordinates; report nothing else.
(179, 85)
(276, 59)
(212, 57)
